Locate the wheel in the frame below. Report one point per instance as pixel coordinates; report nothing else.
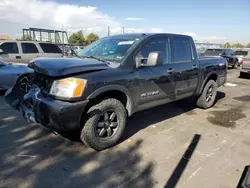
(208, 96)
(235, 65)
(25, 82)
(104, 125)
(243, 75)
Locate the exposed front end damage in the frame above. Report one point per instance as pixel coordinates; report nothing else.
(37, 106)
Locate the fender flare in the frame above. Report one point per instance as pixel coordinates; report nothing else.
(206, 79)
(130, 104)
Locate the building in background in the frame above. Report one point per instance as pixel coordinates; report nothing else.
(4, 37)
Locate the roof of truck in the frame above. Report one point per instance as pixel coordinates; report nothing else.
(143, 35)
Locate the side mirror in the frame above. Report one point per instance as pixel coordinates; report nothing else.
(154, 59)
(1, 51)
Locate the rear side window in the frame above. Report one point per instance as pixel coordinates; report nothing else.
(9, 48)
(243, 53)
(181, 49)
(50, 48)
(29, 48)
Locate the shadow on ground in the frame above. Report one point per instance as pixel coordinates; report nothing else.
(146, 118)
(181, 166)
(33, 157)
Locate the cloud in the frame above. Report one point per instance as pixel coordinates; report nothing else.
(205, 38)
(133, 19)
(50, 14)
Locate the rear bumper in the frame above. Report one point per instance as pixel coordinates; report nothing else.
(52, 114)
(245, 70)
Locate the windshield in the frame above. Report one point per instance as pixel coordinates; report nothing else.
(213, 52)
(110, 49)
(2, 63)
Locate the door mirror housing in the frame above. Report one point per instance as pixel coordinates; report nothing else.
(154, 59)
(1, 51)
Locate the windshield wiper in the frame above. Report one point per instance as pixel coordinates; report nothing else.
(96, 58)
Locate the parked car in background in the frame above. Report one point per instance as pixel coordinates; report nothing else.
(116, 77)
(77, 48)
(245, 66)
(25, 51)
(11, 74)
(240, 54)
(226, 53)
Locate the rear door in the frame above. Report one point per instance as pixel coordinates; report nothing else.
(10, 53)
(185, 66)
(50, 50)
(156, 83)
(29, 51)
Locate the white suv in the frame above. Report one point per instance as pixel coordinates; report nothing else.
(25, 51)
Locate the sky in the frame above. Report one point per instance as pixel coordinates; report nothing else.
(205, 20)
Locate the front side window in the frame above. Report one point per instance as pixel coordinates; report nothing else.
(110, 48)
(29, 48)
(9, 48)
(181, 49)
(50, 48)
(156, 45)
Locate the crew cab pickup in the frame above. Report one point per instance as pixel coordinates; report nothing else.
(112, 79)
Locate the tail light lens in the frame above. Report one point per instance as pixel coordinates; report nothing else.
(241, 62)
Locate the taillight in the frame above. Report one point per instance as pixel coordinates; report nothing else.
(241, 62)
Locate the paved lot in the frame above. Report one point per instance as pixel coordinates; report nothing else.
(175, 144)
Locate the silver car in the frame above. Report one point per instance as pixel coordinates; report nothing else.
(11, 74)
(245, 66)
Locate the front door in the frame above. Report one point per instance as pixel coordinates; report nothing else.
(185, 65)
(156, 84)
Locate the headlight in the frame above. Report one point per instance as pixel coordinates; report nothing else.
(68, 87)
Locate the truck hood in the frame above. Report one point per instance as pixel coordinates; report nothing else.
(56, 67)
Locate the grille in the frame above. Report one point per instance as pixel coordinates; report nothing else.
(44, 83)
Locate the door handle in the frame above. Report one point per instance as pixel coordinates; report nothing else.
(18, 57)
(194, 66)
(170, 70)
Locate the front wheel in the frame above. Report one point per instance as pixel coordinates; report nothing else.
(104, 125)
(208, 96)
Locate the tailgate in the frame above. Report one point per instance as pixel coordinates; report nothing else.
(246, 63)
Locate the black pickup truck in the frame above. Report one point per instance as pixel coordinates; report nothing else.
(112, 79)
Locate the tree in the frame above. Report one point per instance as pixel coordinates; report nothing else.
(226, 45)
(238, 45)
(92, 37)
(77, 38)
(26, 37)
(248, 45)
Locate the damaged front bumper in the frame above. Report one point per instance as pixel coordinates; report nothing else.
(52, 114)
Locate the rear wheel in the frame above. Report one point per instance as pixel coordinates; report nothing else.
(208, 96)
(105, 124)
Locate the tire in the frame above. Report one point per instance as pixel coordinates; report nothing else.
(203, 101)
(25, 82)
(243, 75)
(90, 134)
